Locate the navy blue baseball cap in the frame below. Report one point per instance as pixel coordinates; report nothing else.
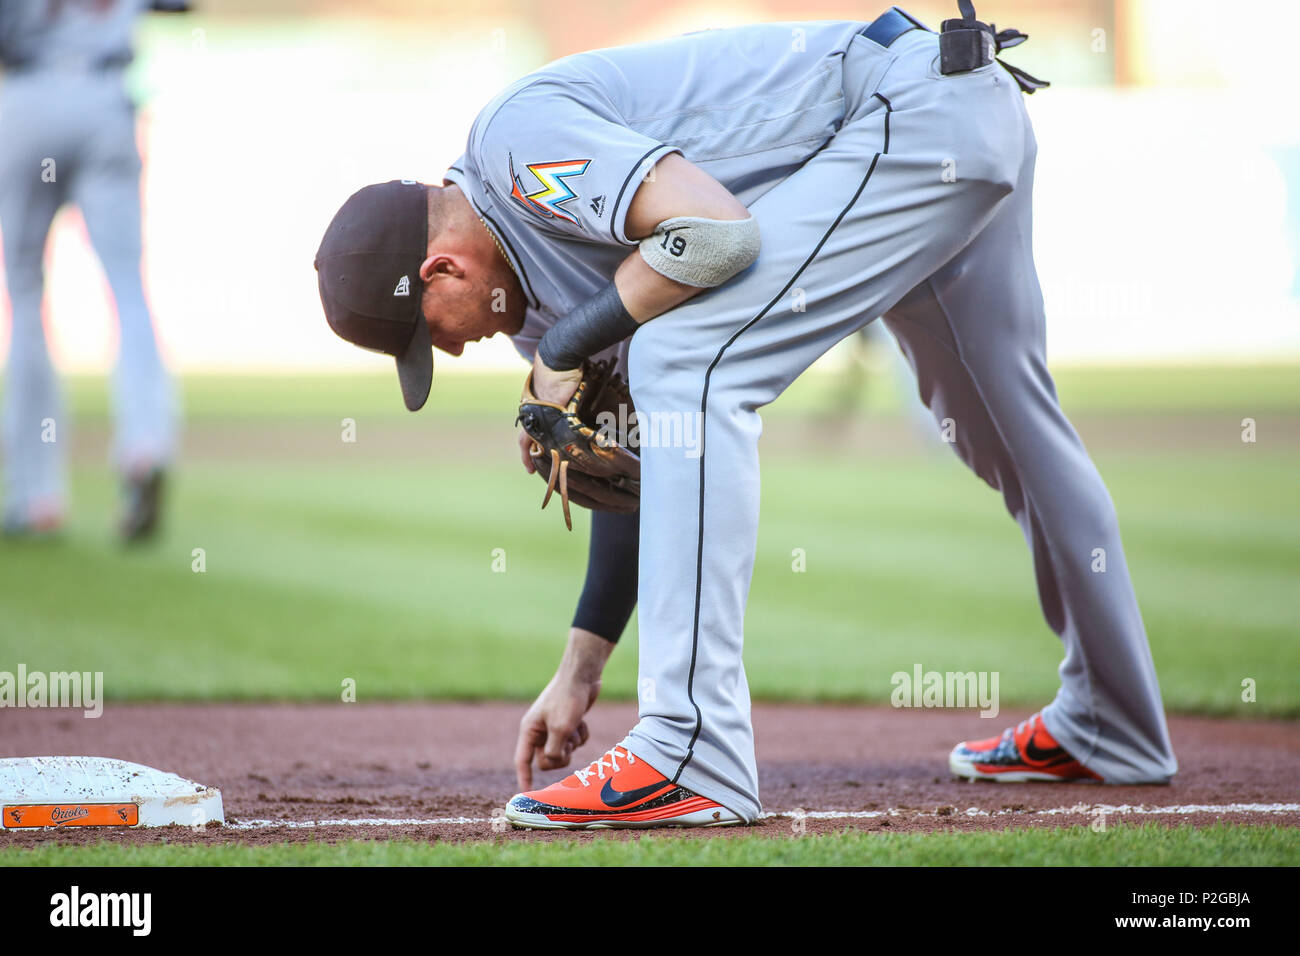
(368, 271)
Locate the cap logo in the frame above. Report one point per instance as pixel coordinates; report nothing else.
(403, 286)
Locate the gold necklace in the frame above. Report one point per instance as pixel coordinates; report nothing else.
(500, 248)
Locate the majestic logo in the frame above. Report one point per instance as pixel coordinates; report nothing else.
(403, 286)
(548, 201)
(598, 205)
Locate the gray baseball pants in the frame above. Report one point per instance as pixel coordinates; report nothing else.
(918, 210)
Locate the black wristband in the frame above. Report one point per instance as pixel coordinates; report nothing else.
(609, 595)
(592, 327)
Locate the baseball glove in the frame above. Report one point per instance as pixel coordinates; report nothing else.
(586, 448)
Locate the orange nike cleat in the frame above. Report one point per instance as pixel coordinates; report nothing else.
(617, 790)
(1023, 753)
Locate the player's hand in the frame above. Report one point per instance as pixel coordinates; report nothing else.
(526, 443)
(554, 727)
(552, 386)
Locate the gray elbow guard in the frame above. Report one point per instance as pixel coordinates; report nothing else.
(701, 252)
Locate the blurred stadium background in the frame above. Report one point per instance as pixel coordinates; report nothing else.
(1168, 242)
(1168, 193)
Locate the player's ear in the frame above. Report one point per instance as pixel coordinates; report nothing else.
(440, 264)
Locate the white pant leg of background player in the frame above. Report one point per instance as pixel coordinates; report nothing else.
(85, 124)
(34, 469)
(107, 190)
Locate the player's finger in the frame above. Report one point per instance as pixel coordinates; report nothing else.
(558, 750)
(574, 742)
(525, 442)
(530, 738)
(577, 737)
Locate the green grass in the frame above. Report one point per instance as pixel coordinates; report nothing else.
(324, 397)
(1123, 845)
(349, 562)
(1162, 389)
(1251, 390)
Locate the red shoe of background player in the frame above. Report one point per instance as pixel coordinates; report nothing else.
(1026, 752)
(617, 790)
(41, 521)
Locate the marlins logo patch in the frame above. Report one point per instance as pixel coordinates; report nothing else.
(549, 200)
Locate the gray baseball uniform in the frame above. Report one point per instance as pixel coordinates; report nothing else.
(67, 134)
(882, 187)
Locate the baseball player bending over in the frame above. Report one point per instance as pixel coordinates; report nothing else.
(715, 212)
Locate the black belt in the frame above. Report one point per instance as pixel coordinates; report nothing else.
(891, 25)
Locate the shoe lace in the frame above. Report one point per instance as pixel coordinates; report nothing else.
(1027, 722)
(599, 765)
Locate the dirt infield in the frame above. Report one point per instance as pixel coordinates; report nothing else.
(437, 771)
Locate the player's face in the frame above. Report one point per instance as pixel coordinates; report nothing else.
(465, 310)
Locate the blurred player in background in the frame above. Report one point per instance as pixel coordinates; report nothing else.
(67, 134)
(872, 355)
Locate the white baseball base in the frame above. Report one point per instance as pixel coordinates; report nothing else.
(58, 792)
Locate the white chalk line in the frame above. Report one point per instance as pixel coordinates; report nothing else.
(1079, 809)
(363, 822)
